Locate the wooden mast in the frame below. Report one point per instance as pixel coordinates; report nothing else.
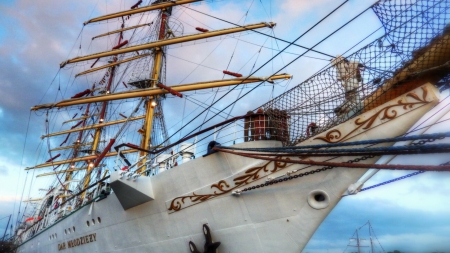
(98, 130)
(68, 176)
(154, 80)
(150, 92)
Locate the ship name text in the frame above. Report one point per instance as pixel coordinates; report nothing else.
(78, 241)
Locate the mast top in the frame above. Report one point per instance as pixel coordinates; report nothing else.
(154, 6)
(170, 41)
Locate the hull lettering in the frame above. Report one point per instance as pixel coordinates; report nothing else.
(78, 241)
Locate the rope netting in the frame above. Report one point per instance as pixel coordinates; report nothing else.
(415, 50)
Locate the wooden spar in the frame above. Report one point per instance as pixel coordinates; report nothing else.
(158, 91)
(78, 119)
(71, 147)
(140, 10)
(166, 42)
(92, 126)
(78, 159)
(120, 30)
(112, 64)
(64, 171)
(430, 65)
(32, 200)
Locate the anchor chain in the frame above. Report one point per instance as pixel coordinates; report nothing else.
(300, 175)
(422, 142)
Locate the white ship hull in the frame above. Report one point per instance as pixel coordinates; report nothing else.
(278, 218)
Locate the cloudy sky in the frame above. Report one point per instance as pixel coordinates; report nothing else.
(35, 36)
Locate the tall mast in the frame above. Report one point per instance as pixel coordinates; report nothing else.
(77, 146)
(357, 242)
(6, 229)
(98, 130)
(154, 80)
(370, 235)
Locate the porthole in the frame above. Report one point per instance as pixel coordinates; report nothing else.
(65, 231)
(56, 235)
(73, 229)
(99, 220)
(70, 230)
(87, 223)
(318, 199)
(93, 222)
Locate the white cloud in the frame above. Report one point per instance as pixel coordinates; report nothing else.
(9, 198)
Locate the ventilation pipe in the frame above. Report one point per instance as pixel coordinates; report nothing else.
(162, 161)
(187, 151)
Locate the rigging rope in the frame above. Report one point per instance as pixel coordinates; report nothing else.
(323, 98)
(397, 150)
(291, 43)
(20, 170)
(268, 35)
(353, 143)
(344, 164)
(398, 178)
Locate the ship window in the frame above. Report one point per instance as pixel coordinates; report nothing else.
(73, 229)
(99, 220)
(87, 223)
(65, 231)
(70, 230)
(56, 235)
(93, 222)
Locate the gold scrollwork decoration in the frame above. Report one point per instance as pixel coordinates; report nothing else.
(222, 187)
(334, 136)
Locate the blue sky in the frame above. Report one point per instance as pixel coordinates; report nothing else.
(35, 36)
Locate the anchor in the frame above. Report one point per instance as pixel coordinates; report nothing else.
(210, 246)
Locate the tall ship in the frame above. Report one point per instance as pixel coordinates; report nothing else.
(126, 176)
